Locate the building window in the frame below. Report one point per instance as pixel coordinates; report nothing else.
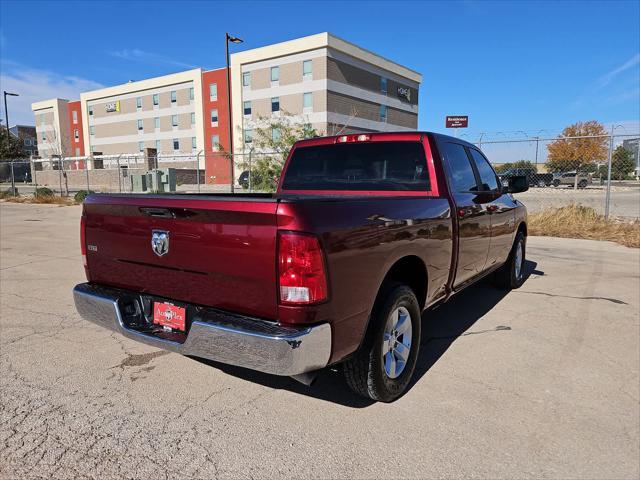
(214, 117)
(27, 142)
(77, 151)
(275, 104)
(174, 97)
(383, 113)
(246, 79)
(191, 93)
(193, 118)
(215, 142)
(193, 143)
(275, 74)
(307, 101)
(158, 146)
(76, 134)
(90, 113)
(248, 136)
(92, 130)
(44, 137)
(139, 103)
(213, 92)
(275, 134)
(140, 125)
(383, 85)
(307, 69)
(176, 144)
(75, 116)
(174, 120)
(246, 107)
(156, 99)
(141, 146)
(156, 122)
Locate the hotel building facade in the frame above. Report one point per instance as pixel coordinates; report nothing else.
(321, 80)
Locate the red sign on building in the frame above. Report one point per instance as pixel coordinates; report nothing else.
(457, 121)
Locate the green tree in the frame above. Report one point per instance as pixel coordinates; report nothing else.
(272, 141)
(622, 163)
(10, 146)
(567, 154)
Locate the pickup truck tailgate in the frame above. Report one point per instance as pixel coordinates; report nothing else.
(221, 250)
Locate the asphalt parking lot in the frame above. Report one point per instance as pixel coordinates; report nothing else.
(542, 382)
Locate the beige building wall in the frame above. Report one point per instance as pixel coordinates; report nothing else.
(345, 83)
(111, 116)
(52, 127)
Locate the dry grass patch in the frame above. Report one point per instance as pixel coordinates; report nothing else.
(578, 221)
(43, 199)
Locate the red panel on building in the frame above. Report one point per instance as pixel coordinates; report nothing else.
(216, 164)
(75, 131)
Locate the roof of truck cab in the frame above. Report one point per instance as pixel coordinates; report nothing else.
(403, 135)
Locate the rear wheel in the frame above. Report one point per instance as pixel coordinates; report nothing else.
(511, 274)
(556, 183)
(383, 367)
(582, 184)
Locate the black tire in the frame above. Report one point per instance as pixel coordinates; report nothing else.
(582, 184)
(556, 183)
(365, 372)
(508, 276)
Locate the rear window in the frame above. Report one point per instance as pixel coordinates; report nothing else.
(358, 166)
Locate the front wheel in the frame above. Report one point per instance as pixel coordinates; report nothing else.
(382, 369)
(511, 274)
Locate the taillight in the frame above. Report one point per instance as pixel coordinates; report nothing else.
(301, 271)
(83, 242)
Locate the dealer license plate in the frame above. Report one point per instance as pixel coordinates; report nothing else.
(169, 316)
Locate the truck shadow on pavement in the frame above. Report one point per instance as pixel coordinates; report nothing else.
(440, 328)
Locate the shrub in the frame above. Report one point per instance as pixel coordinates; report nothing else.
(8, 193)
(81, 195)
(43, 192)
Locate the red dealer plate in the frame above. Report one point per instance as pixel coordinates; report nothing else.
(168, 315)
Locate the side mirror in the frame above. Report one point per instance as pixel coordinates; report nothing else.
(517, 184)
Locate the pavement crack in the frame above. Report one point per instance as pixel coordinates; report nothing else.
(612, 300)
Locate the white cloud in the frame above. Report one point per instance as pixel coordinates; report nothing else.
(608, 77)
(34, 85)
(137, 55)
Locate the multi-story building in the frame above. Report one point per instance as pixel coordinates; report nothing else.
(325, 81)
(28, 139)
(52, 127)
(322, 80)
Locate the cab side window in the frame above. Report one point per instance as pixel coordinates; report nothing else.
(488, 177)
(461, 172)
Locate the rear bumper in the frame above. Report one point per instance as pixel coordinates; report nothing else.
(219, 336)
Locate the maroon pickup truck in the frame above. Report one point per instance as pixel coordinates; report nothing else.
(363, 234)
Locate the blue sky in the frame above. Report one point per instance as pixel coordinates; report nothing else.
(510, 66)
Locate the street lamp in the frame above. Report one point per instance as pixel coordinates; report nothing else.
(6, 112)
(232, 39)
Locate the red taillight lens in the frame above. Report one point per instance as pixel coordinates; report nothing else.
(301, 272)
(83, 241)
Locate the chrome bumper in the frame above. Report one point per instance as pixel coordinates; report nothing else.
(219, 336)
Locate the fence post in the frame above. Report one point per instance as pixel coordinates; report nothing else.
(35, 178)
(198, 168)
(13, 180)
(60, 173)
(119, 179)
(250, 168)
(86, 170)
(607, 199)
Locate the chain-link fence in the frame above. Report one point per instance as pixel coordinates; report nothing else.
(140, 173)
(599, 171)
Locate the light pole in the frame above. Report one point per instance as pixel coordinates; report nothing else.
(6, 117)
(6, 112)
(232, 39)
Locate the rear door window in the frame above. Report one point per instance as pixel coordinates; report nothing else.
(461, 173)
(488, 177)
(375, 166)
